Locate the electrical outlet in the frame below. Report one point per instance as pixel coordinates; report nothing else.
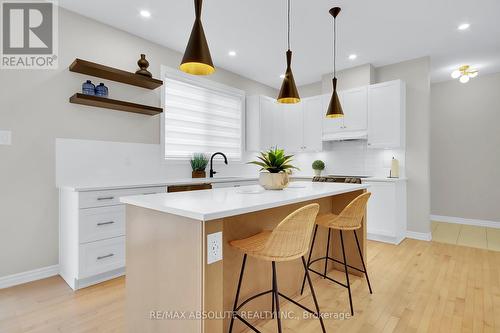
(5, 137)
(214, 247)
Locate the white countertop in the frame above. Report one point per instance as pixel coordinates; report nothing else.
(152, 183)
(217, 203)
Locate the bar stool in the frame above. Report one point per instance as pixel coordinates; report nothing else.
(288, 241)
(348, 220)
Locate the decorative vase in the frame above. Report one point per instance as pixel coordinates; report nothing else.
(101, 90)
(88, 88)
(199, 174)
(273, 181)
(317, 172)
(143, 66)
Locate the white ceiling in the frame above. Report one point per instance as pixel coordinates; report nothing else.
(380, 32)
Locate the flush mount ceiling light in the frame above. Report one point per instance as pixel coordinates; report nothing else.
(288, 92)
(353, 56)
(232, 53)
(464, 73)
(197, 59)
(464, 26)
(334, 108)
(145, 13)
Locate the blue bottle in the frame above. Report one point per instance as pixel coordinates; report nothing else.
(101, 90)
(88, 88)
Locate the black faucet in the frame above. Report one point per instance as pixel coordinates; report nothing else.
(212, 172)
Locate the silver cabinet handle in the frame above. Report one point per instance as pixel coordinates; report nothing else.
(105, 198)
(106, 256)
(105, 223)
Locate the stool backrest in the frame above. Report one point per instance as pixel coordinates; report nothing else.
(352, 215)
(291, 238)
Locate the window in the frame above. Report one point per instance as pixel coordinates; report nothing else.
(201, 117)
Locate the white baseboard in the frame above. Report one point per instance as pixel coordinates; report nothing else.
(461, 220)
(425, 236)
(29, 276)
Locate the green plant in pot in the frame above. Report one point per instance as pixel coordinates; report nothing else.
(318, 166)
(198, 164)
(275, 169)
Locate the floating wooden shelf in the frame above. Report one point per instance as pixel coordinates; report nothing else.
(110, 73)
(114, 104)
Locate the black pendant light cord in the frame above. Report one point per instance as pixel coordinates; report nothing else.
(334, 46)
(288, 24)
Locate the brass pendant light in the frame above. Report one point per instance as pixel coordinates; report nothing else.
(197, 59)
(288, 92)
(334, 108)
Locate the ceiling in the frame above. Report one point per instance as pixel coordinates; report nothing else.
(380, 32)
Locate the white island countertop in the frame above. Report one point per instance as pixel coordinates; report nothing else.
(218, 203)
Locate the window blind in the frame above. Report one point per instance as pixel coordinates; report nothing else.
(199, 119)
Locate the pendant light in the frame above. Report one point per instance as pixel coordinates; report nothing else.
(334, 108)
(288, 92)
(197, 59)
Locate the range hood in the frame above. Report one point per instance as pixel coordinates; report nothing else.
(345, 135)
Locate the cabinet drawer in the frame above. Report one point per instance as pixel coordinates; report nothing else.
(101, 256)
(101, 223)
(112, 197)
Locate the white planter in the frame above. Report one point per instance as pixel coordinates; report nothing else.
(317, 172)
(274, 181)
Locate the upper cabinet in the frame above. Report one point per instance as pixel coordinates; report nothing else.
(386, 114)
(293, 127)
(354, 123)
(375, 112)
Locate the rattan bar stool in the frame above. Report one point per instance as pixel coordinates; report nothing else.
(348, 220)
(288, 241)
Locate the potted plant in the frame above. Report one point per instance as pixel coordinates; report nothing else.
(318, 166)
(275, 167)
(198, 164)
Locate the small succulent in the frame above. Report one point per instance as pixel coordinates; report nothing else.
(318, 165)
(199, 162)
(274, 161)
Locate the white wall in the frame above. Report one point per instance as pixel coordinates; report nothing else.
(34, 105)
(465, 158)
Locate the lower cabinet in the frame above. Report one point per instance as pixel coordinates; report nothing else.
(386, 213)
(92, 234)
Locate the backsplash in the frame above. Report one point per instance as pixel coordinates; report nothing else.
(103, 162)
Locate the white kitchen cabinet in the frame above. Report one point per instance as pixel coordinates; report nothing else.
(312, 119)
(92, 234)
(386, 114)
(386, 212)
(264, 123)
(354, 123)
(293, 127)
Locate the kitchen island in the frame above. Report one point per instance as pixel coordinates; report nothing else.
(173, 276)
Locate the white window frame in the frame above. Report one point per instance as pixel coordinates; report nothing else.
(175, 74)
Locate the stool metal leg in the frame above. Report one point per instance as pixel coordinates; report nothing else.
(272, 296)
(346, 273)
(313, 295)
(276, 296)
(363, 262)
(327, 250)
(237, 293)
(309, 258)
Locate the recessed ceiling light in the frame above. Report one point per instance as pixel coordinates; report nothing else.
(282, 76)
(464, 26)
(353, 56)
(145, 13)
(232, 53)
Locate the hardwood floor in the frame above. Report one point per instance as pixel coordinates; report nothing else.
(418, 287)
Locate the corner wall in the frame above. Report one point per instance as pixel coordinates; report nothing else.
(465, 158)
